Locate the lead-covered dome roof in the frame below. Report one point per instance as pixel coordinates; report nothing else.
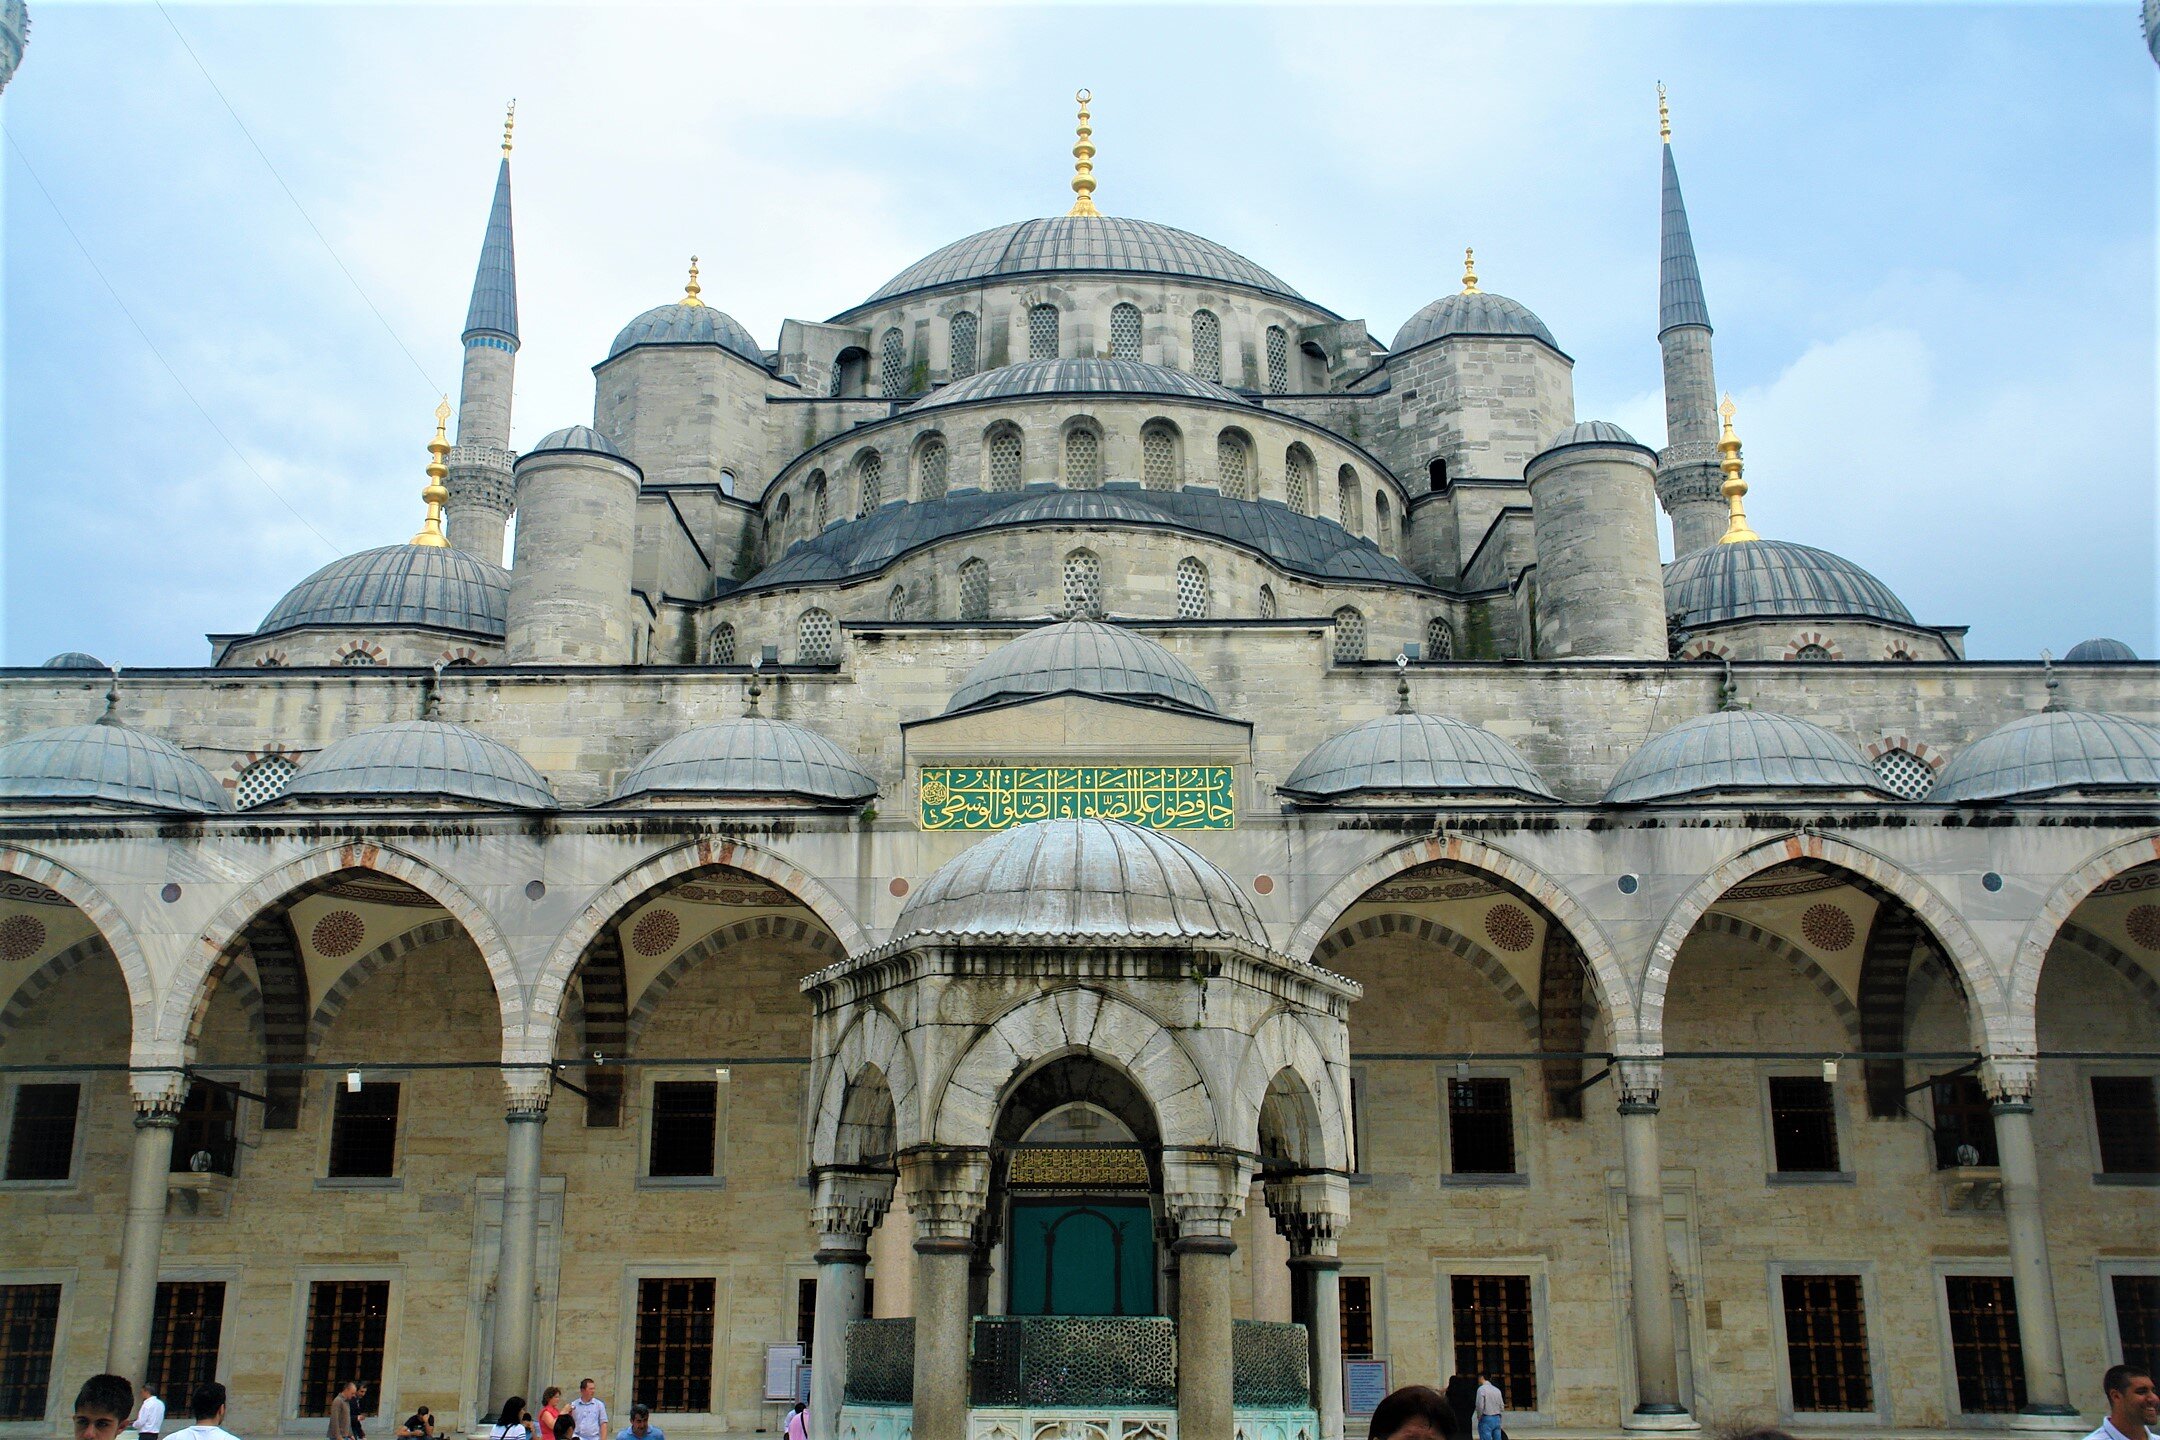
(1101, 880)
(750, 757)
(680, 324)
(1084, 657)
(1083, 243)
(578, 437)
(106, 764)
(1757, 578)
(83, 660)
(397, 586)
(1745, 750)
(1421, 755)
(1077, 377)
(1592, 432)
(2051, 753)
(2100, 651)
(421, 760)
(1471, 313)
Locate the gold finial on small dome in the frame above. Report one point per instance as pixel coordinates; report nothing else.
(1734, 488)
(691, 288)
(435, 494)
(1083, 181)
(1469, 271)
(1664, 115)
(509, 123)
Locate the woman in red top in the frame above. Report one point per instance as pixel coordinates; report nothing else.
(549, 1410)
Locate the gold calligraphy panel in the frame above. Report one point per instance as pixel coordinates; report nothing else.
(1160, 797)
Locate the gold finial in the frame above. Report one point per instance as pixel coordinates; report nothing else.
(1469, 271)
(431, 532)
(1083, 182)
(1664, 115)
(692, 288)
(1734, 488)
(509, 123)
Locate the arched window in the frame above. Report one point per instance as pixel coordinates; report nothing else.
(1383, 523)
(1278, 360)
(1814, 653)
(896, 603)
(848, 371)
(1347, 508)
(1083, 584)
(869, 481)
(1297, 479)
(1083, 458)
(1905, 774)
(1901, 654)
(1125, 332)
(1004, 459)
(1436, 476)
(357, 658)
(974, 590)
(962, 339)
(1439, 639)
(1158, 458)
(1192, 592)
(1207, 345)
(1042, 332)
(1233, 465)
(820, 509)
(776, 529)
(727, 482)
(892, 363)
(720, 645)
(1267, 602)
(814, 638)
(930, 462)
(264, 780)
(1349, 635)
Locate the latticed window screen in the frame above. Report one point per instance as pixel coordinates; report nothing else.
(1083, 458)
(41, 1141)
(1233, 468)
(1125, 332)
(264, 780)
(1481, 1127)
(1158, 460)
(29, 1324)
(1964, 1123)
(1984, 1345)
(814, 637)
(1297, 481)
(1192, 593)
(1267, 602)
(962, 333)
(1803, 1124)
(820, 510)
(1083, 583)
(185, 1329)
(1354, 1295)
(1349, 635)
(869, 482)
(1495, 1334)
(1905, 774)
(1439, 639)
(1278, 360)
(1346, 499)
(974, 590)
(357, 657)
(892, 363)
(2129, 1125)
(720, 645)
(896, 603)
(930, 463)
(1005, 460)
(346, 1322)
(1811, 652)
(673, 1370)
(1826, 1343)
(2137, 1319)
(1207, 345)
(1042, 332)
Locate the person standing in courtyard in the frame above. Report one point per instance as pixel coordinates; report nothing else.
(798, 1423)
(1490, 1405)
(341, 1411)
(641, 1426)
(2133, 1404)
(207, 1405)
(588, 1413)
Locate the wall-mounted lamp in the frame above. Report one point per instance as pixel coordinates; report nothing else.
(1829, 1072)
(352, 1082)
(720, 1073)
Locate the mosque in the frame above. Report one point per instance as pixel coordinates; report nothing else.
(1086, 850)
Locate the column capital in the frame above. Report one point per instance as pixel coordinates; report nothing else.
(1636, 1080)
(1204, 1189)
(2009, 1080)
(1310, 1211)
(529, 1089)
(158, 1095)
(947, 1188)
(849, 1205)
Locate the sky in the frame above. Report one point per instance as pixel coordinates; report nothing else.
(1926, 235)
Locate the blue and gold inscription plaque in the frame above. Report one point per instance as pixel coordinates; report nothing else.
(992, 797)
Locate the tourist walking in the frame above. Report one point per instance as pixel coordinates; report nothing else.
(1491, 1404)
(2133, 1404)
(588, 1413)
(798, 1423)
(150, 1415)
(207, 1405)
(101, 1407)
(341, 1411)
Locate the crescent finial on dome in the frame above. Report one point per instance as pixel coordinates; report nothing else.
(1083, 181)
(691, 288)
(1734, 487)
(436, 494)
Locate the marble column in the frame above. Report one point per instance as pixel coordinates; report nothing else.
(1204, 1192)
(2009, 1085)
(157, 1096)
(947, 1188)
(517, 1262)
(1310, 1212)
(849, 1205)
(1657, 1367)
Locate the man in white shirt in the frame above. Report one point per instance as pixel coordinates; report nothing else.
(2133, 1405)
(150, 1415)
(207, 1405)
(1490, 1404)
(588, 1413)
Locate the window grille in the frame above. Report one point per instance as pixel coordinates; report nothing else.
(1042, 332)
(838, 382)
(2129, 1126)
(1481, 1127)
(1231, 470)
(1811, 652)
(869, 482)
(974, 590)
(819, 511)
(896, 603)
(186, 1325)
(1984, 1344)
(356, 658)
(1267, 602)
(363, 1131)
(814, 635)
(1346, 499)
(1083, 458)
(1005, 460)
(1905, 774)
(720, 647)
(2137, 1319)
(1355, 1296)
(266, 779)
(1439, 639)
(1192, 593)
(29, 1325)
(892, 363)
(1964, 1123)
(41, 1141)
(1495, 1334)
(1207, 345)
(1158, 460)
(673, 1371)
(1297, 481)
(1803, 1124)
(346, 1322)
(931, 463)
(1083, 583)
(1278, 360)
(685, 1127)
(1125, 332)
(1349, 635)
(962, 332)
(1826, 1343)
(207, 1125)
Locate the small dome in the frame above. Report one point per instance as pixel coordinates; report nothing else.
(752, 756)
(78, 660)
(1076, 377)
(421, 759)
(106, 764)
(1086, 656)
(2054, 751)
(1760, 578)
(680, 324)
(1101, 879)
(1593, 432)
(578, 437)
(1427, 755)
(1741, 750)
(1084, 243)
(1476, 313)
(397, 586)
(2085, 652)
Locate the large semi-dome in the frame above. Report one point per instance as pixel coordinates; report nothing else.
(749, 758)
(1471, 313)
(2051, 753)
(396, 586)
(106, 764)
(1742, 750)
(1423, 756)
(421, 760)
(1759, 578)
(1077, 377)
(1084, 657)
(1100, 880)
(1085, 243)
(686, 324)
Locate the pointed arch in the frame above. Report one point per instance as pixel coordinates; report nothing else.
(1393, 924)
(355, 975)
(2136, 976)
(2020, 1023)
(762, 930)
(112, 926)
(1841, 1005)
(283, 1012)
(32, 987)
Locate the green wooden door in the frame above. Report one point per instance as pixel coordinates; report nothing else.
(1096, 1258)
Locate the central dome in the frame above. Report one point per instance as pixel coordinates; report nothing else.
(1087, 657)
(1773, 578)
(1081, 242)
(1077, 377)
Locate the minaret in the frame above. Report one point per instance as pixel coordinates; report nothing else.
(1688, 478)
(480, 487)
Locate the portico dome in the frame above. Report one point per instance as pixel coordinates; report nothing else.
(752, 757)
(1742, 750)
(106, 764)
(417, 760)
(1086, 657)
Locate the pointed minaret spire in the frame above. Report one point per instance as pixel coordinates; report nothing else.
(1689, 482)
(1680, 297)
(480, 485)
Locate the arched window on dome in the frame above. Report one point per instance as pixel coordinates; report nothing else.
(1207, 345)
(720, 645)
(1278, 360)
(1439, 639)
(1347, 508)
(816, 638)
(1083, 584)
(1233, 465)
(1436, 478)
(1349, 634)
(850, 372)
(1001, 458)
(974, 589)
(1192, 589)
(869, 481)
(1042, 332)
(357, 657)
(263, 781)
(1383, 521)
(960, 337)
(1159, 455)
(1125, 332)
(819, 504)
(1297, 479)
(1083, 457)
(892, 363)
(1267, 602)
(931, 461)
(896, 603)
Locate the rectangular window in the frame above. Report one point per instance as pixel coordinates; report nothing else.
(2137, 1319)
(1354, 1293)
(184, 1332)
(29, 1322)
(1481, 1127)
(1984, 1344)
(1357, 1121)
(2129, 1124)
(1964, 1124)
(685, 1126)
(363, 1132)
(1826, 1343)
(1494, 1336)
(41, 1141)
(674, 1346)
(207, 1125)
(347, 1321)
(806, 1314)
(1803, 1124)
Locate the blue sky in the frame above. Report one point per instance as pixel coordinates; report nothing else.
(1927, 239)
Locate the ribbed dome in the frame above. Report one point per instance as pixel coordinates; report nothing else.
(1080, 242)
(749, 757)
(578, 437)
(2085, 652)
(79, 660)
(1054, 505)
(1741, 750)
(421, 759)
(1472, 314)
(397, 586)
(1592, 432)
(106, 764)
(1773, 578)
(1076, 377)
(1427, 755)
(2053, 751)
(1097, 879)
(680, 324)
(1085, 656)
